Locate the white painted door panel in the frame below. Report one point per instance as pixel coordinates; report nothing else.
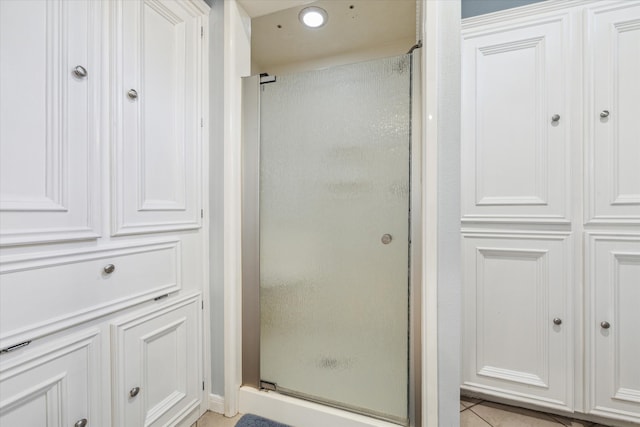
(613, 66)
(157, 351)
(514, 156)
(55, 387)
(48, 121)
(515, 286)
(156, 158)
(613, 284)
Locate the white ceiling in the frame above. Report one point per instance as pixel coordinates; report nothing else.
(279, 38)
(255, 8)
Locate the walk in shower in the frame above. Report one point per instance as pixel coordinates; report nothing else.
(328, 302)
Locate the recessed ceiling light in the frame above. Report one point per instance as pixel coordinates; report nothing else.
(313, 16)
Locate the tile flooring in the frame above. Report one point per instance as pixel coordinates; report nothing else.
(473, 413)
(478, 413)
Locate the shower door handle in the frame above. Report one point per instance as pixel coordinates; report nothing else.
(386, 239)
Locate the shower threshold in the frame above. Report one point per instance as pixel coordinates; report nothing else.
(300, 411)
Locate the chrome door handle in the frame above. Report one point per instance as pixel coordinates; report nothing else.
(81, 423)
(555, 118)
(134, 391)
(132, 94)
(604, 114)
(605, 325)
(557, 321)
(110, 268)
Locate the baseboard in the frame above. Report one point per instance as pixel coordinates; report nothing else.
(216, 403)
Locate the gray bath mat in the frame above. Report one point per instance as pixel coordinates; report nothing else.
(250, 420)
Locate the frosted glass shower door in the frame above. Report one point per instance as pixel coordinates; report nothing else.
(334, 231)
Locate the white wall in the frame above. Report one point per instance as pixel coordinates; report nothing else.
(449, 254)
(393, 48)
(216, 182)
(237, 64)
(441, 205)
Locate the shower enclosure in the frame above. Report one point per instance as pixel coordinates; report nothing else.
(327, 296)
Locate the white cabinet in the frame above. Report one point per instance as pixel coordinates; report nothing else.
(157, 105)
(516, 122)
(551, 207)
(49, 77)
(155, 362)
(613, 128)
(55, 386)
(101, 196)
(517, 318)
(613, 325)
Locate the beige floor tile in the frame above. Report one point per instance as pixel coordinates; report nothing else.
(468, 402)
(211, 419)
(508, 416)
(469, 419)
(568, 422)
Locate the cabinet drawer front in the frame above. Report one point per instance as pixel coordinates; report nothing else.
(156, 364)
(55, 387)
(41, 294)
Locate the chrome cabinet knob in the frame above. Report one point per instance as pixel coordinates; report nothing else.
(604, 113)
(110, 268)
(605, 325)
(80, 72)
(557, 321)
(133, 94)
(386, 239)
(134, 391)
(555, 117)
(81, 423)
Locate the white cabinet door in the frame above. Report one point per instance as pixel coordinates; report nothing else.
(48, 120)
(56, 387)
(516, 84)
(156, 102)
(613, 326)
(157, 365)
(612, 116)
(517, 318)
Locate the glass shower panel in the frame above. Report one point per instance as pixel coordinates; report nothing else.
(334, 235)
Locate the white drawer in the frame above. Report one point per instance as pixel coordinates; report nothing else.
(42, 293)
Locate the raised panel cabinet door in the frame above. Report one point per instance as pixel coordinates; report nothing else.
(613, 128)
(156, 99)
(516, 84)
(517, 318)
(55, 387)
(49, 78)
(156, 365)
(613, 326)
